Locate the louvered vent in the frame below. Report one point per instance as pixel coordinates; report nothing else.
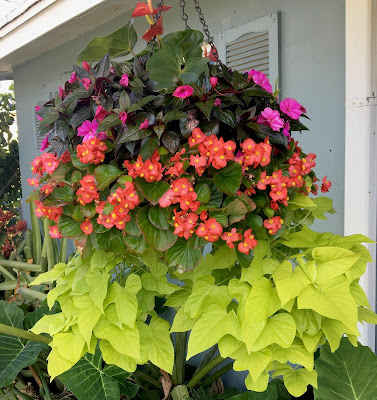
(250, 51)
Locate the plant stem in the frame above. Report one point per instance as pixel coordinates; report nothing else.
(180, 358)
(212, 378)
(21, 265)
(204, 371)
(180, 392)
(49, 246)
(22, 396)
(30, 294)
(6, 274)
(63, 250)
(44, 383)
(36, 234)
(21, 333)
(147, 378)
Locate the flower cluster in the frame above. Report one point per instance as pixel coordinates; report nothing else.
(181, 191)
(122, 200)
(273, 224)
(150, 170)
(52, 213)
(88, 190)
(91, 151)
(46, 163)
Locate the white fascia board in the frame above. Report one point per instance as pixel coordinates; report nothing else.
(50, 23)
(360, 203)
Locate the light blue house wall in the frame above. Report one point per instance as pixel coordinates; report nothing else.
(312, 70)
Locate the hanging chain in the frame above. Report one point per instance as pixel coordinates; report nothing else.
(206, 30)
(182, 3)
(159, 12)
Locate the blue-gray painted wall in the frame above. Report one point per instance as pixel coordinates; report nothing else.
(312, 70)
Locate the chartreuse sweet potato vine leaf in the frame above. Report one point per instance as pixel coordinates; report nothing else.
(15, 353)
(264, 317)
(349, 373)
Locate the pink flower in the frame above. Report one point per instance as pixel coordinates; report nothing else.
(291, 107)
(271, 118)
(88, 130)
(145, 124)
(61, 92)
(54, 232)
(45, 143)
(101, 113)
(37, 108)
(286, 129)
(33, 182)
(124, 80)
(217, 102)
(260, 79)
(214, 81)
(72, 78)
(86, 82)
(123, 117)
(86, 66)
(183, 91)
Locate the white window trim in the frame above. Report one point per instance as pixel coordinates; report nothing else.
(360, 202)
(269, 22)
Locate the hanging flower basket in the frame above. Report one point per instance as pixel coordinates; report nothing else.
(180, 179)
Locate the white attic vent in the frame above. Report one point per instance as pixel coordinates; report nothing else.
(254, 45)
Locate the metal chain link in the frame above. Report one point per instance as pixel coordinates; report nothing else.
(159, 12)
(182, 3)
(206, 30)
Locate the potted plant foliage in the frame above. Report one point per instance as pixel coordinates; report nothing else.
(189, 202)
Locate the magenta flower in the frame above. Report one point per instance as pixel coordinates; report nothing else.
(145, 124)
(101, 113)
(123, 117)
(61, 92)
(45, 143)
(183, 92)
(86, 66)
(72, 78)
(88, 130)
(286, 129)
(218, 102)
(271, 118)
(260, 79)
(214, 81)
(124, 80)
(86, 82)
(37, 108)
(291, 107)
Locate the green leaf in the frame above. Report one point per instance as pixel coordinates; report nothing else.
(152, 191)
(109, 122)
(158, 239)
(257, 92)
(183, 256)
(203, 191)
(254, 221)
(228, 179)
(159, 217)
(60, 196)
(270, 394)
(297, 380)
(165, 66)
(353, 373)
(214, 324)
(179, 38)
(68, 227)
(333, 300)
(149, 146)
(173, 116)
(224, 257)
(69, 103)
(236, 211)
(86, 379)
(111, 240)
(225, 116)
(302, 201)
(105, 174)
(323, 205)
(332, 262)
(132, 134)
(136, 243)
(120, 41)
(161, 351)
(206, 107)
(15, 353)
(171, 141)
(124, 101)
